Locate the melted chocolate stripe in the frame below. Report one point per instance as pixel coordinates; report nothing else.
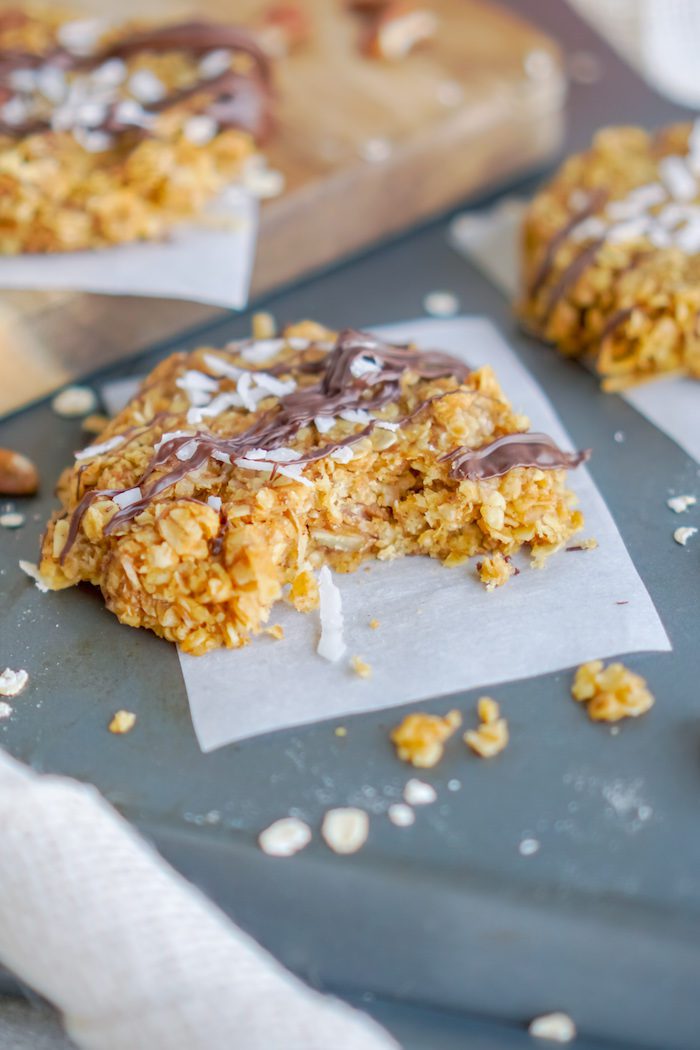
(569, 277)
(506, 453)
(597, 200)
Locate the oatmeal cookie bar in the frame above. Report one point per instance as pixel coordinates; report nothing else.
(611, 255)
(116, 133)
(235, 473)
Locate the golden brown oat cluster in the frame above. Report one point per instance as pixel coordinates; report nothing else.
(611, 255)
(236, 473)
(111, 134)
(611, 693)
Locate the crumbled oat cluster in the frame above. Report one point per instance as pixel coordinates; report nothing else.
(611, 692)
(116, 133)
(495, 570)
(492, 735)
(236, 474)
(611, 255)
(420, 738)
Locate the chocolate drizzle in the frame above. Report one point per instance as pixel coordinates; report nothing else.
(513, 450)
(596, 201)
(342, 386)
(236, 99)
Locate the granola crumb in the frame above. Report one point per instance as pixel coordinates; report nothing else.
(401, 815)
(122, 722)
(303, 593)
(584, 545)
(418, 793)
(611, 692)
(263, 325)
(557, 1027)
(5, 710)
(18, 475)
(13, 682)
(276, 630)
(284, 837)
(74, 401)
(420, 738)
(679, 504)
(340, 731)
(12, 519)
(361, 667)
(495, 570)
(684, 533)
(345, 829)
(492, 735)
(374, 624)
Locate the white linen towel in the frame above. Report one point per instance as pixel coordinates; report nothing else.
(133, 956)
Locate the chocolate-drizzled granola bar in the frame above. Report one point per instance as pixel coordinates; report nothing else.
(611, 255)
(115, 133)
(235, 473)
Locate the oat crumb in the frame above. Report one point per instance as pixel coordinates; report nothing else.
(276, 630)
(284, 837)
(420, 738)
(495, 570)
(74, 401)
(122, 722)
(683, 534)
(611, 692)
(418, 793)
(345, 829)
(374, 624)
(340, 731)
(557, 1027)
(492, 735)
(678, 504)
(361, 667)
(401, 815)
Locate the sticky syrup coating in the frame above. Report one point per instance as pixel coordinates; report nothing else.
(56, 196)
(173, 570)
(634, 308)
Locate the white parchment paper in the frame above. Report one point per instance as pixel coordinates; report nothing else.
(490, 240)
(202, 263)
(439, 631)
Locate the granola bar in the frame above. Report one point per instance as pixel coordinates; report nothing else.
(611, 255)
(235, 474)
(116, 133)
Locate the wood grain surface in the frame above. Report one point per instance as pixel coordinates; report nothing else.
(506, 93)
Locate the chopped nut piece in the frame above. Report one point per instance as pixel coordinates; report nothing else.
(12, 519)
(683, 534)
(420, 738)
(495, 570)
(12, 682)
(679, 504)
(557, 1027)
(122, 722)
(276, 630)
(345, 829)
(263, 326)
(360, 667)
(492, 735)
(74, 401)
(401, 814)
(611, 693)
(374, 624)
(285, 837)
(397, 30)
(18, 475)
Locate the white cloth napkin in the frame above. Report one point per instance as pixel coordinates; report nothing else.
(133, 956)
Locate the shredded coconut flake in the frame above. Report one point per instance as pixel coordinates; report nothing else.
(418, 793)
(557, 1027)
(401, 814)
(5, 709)
(355, 415)
(127, 498)
(222, 457)
(214, 502)
(187, 450)
(678, 504)
(324, 423)
(214, 63)
(32, 570)
(343, 454)
(101, 448)
(146, 87)
(364, 365)
(678, 178)
(259, 351)
(683, 534)
(384, 424)
(219, 367)
(12, 682)
(331, 645)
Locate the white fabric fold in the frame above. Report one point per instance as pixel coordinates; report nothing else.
(133, 956)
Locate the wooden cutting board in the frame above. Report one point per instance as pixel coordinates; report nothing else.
(480, 103)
